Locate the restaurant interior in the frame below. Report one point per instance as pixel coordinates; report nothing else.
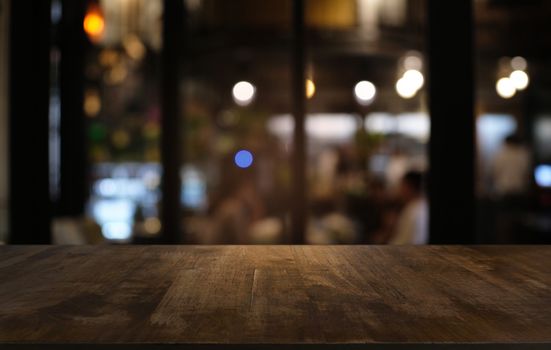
(275, 122)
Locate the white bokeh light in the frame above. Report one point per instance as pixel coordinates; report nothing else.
(334, 127)
(381, 122)
(415, 78)
(505, 88)
(519, 63)
(406, 88)
(243, 93)
(365, 92)
(519, 79)
(413, 61)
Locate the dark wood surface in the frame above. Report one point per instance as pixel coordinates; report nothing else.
(301, 295)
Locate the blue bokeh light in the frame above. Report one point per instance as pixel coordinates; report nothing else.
(243, 159)
(542, 174)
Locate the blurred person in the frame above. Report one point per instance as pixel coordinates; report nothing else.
(511, 168)
(390, 212)
(326, 170)
(398, 164)
(344, 162)
(380, 214)
(511, 180)
(328, 225)
(412, 223)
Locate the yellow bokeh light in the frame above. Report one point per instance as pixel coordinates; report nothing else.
(152, 226)
(94, 24)
(92, 103)
(310, 88)
(120, 139)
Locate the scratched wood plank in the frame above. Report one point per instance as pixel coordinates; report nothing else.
(275, 294)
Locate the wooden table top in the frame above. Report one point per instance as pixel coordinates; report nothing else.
(302, 295)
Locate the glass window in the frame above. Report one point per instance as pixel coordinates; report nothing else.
(367, 124)
(513, 121)
(122, 121)
(236, 82)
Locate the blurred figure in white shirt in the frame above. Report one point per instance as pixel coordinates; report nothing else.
(412, 224)
(398, 164)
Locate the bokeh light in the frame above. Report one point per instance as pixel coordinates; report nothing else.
(413, 61)
(152, 225)
(243, 93)
(310, 88)
(415, 78)
(92, 103)
(94, 23)
(519, 79)
(406, 88)
(519, 63)
(243, 159)
(542, 175)
(365, 92)
(505, 88)
(134, 47)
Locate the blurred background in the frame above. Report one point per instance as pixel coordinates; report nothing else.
(275, 121)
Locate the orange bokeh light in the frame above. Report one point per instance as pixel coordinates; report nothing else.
(94, 23)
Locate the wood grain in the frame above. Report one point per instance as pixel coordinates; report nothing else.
(275, 295)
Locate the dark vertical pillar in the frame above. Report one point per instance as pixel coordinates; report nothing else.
(171, 139)
(451, 97)
(29, 204)
(73, 159)
(299, 186)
